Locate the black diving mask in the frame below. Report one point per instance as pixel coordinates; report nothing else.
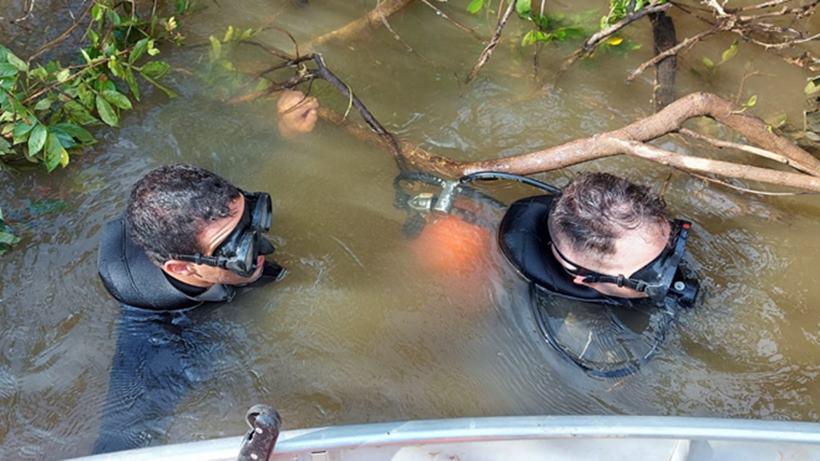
(240, 250)
(662, 278)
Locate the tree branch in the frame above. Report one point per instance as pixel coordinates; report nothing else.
(682, 46)
(593, 41)
(371, 20)
(718, 167)
(488, 50)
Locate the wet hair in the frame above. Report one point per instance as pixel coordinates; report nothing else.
(596, 209)
(171, 205)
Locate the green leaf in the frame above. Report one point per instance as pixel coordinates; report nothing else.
(811, 88)
(5, 148)
(777, 120)
(138, 51)
(475, 6)
(528, 38)
(729, 53)
(37, 139)
(97, 12)
(216, 48)
(151, 50)
(155, 70)
(228, 34)
(75, 131)
(132, 83)
(117, 99)
(7, 70)
(114, 17)
(18, 63)
(751, 101)
(93, 37)
(43, 104)
(39, 72)
(708, 63)
(107, 113)
(63, 75)
(21, 131)
(168, 92)
(80, 114)
(7, 238)
(55, 153)
(523, 8)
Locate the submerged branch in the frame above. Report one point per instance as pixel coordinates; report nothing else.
(371, 20)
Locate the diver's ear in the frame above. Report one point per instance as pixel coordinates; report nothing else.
(174, 266)
(579, 280)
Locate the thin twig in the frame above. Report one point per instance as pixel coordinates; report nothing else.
(488, 50)
(781, 45)
(66, 33)
(745, 189)
(680, 47)
(28, 13)
(596, 38)
(454, 22)
(742, 86)
(764, 5)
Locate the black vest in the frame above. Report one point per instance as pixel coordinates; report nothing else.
(524, 238)
(133, 279)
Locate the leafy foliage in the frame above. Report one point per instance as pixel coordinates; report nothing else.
(219, 71)
(619, 9)
(711, 67)
(46, 107)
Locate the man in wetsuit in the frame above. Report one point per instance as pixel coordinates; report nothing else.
(603, 239)
(188, 237)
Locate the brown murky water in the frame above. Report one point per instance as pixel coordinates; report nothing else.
(359, 331)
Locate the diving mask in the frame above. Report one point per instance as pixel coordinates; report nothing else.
(240, 250)
(661, 278)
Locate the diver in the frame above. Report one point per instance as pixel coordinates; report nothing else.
(601, 252)
(188, 237)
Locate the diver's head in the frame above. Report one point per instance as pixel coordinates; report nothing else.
(605, 225)
(198, 227)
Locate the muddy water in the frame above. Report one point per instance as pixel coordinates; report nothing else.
(360, 330)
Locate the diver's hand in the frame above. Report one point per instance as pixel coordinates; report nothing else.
(297, 114)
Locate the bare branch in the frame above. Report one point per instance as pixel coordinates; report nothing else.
(452, 21)
(488, 50)
(598, 37)
(66, 33)
(718, 167)
(680, 47)
(27, 14)
(719, 143)
(371, 20)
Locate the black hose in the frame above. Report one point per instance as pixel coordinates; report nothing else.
(620, 369)
(494, 175)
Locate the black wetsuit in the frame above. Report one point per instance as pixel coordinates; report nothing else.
(524, 238)
(163, 350)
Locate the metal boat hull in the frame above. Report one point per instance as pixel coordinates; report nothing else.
(553, 438)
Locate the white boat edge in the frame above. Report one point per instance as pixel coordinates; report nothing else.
(548, 437)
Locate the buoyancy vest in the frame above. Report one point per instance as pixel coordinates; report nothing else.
(524, 238)
(134, 280)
